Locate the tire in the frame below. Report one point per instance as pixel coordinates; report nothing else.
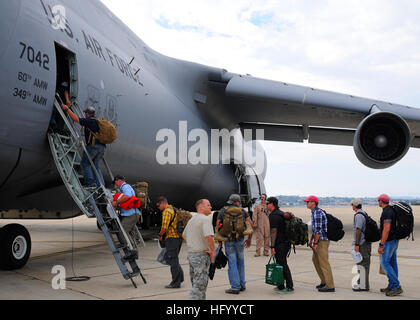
(15, 247)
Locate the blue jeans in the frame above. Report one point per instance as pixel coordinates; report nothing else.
(389, 263)
(96, 153)
(236, 261)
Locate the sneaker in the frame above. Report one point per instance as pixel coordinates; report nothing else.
(173, 286)
(385, 290)
(287, 290)
(393, 293)
(242, 288)
(326, 289)
(266, 254)
(232, 291)
(257, 255)
(322, 285)
(277, 289)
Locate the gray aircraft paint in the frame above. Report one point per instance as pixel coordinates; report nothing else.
(152, 93)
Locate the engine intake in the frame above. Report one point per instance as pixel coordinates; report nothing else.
(382, 139)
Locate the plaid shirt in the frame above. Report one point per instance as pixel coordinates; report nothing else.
(319, 223)
(167, 216)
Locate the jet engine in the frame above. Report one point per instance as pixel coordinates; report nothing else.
(382, 139)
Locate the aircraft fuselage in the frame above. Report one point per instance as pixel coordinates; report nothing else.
(129, 84)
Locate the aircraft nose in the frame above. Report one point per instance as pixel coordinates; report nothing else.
(9, 13)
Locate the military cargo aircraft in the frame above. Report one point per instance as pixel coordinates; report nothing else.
(45, 42)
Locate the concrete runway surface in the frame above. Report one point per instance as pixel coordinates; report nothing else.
(89, 256)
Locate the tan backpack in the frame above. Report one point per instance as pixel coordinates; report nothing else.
(184, 217)
(141, 189)
(233, 224)
(107, 132)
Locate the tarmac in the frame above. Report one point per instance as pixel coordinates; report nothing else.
(80, 248)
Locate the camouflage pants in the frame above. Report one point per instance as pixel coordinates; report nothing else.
(199, 273)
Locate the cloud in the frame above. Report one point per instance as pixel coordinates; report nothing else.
(365, 48)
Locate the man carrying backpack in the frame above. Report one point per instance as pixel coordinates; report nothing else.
(130, 216)
(280, 245)
(95, 149)
(320, 243)
(388, 247)
(173, 242)
(236, 243)
(360, 244)
(262, 224)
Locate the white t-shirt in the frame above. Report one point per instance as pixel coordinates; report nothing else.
(198, 228)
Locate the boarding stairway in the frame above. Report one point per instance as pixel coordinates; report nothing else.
(67, 147)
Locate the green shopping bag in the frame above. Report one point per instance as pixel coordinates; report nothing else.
(273, 273)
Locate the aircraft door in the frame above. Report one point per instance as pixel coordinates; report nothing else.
(67, 74)
(251, 186)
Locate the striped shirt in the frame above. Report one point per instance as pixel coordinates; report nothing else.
(319, 223)
(167, 216)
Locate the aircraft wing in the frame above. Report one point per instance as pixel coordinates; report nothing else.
(296, 113)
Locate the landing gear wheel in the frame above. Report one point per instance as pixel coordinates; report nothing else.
(15, 247)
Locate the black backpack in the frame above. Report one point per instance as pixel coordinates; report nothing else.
(372, 232)
(335, 230)
(404, 220)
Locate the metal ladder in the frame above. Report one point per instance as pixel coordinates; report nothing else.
(67, 150)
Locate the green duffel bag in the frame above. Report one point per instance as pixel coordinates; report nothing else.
(273, 273)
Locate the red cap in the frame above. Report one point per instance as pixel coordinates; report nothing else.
(384, 198)
(312, 198)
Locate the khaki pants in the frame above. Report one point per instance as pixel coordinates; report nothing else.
(129, 223)
(263, 234)
(365, 251)
(322, 266)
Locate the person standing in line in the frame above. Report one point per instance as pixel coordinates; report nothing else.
(280, 245)
(360, 244)
(199, 235)
(235, 248)
(388, 247)
(319, 243)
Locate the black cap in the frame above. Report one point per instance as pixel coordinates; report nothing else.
(273, 201)
(119, 177)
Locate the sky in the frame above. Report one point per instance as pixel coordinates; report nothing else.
(367, 48)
